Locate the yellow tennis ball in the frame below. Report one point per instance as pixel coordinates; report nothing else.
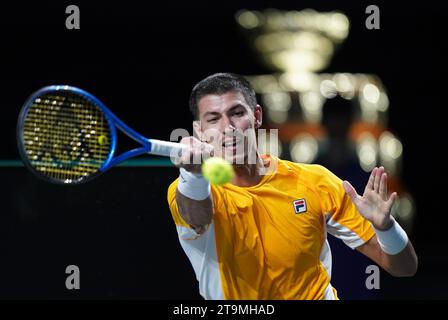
(217, 170)
(102, 139)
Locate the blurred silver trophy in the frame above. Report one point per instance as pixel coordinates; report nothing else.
(323, 117)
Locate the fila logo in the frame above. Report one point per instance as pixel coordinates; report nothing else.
(299, 205)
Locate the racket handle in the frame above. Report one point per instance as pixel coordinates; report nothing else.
(166, 148)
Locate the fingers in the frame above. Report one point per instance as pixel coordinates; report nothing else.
(369, 185)
(350, 190)
(185, 157)
(197, 132)
(376, 182)
(207, 150)
(191, 158)
(391, 201)
(383, 186)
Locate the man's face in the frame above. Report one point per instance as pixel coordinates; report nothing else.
(228, 123)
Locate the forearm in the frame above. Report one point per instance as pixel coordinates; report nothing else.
(402, 264)
(393, 251)
(197, 213)
(397, 253)
(193, 197)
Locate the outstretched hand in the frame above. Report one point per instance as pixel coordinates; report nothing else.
(374, 205)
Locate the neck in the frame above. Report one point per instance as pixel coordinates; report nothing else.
(247, 175)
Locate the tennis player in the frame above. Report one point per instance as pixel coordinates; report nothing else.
(264, 235)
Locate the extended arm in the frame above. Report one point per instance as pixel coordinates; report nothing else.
(193, 195)
(390, 247)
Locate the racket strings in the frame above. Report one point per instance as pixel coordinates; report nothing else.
(66, 136)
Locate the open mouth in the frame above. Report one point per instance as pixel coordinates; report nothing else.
(230, 143)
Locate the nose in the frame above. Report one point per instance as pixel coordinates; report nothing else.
(228, 125)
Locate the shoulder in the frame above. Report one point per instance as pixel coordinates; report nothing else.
(310, 171)
(313, 176)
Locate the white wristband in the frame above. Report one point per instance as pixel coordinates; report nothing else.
(193, 185)
(393, 240)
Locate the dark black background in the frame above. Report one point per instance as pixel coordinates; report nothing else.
(141, 59)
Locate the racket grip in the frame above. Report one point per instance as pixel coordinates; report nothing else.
(166, 148)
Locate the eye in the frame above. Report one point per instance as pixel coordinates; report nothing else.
(239, 113)
(212, 120)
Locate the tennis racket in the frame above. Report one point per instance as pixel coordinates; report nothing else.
(67, 136)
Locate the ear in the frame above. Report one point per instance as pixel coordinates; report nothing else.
(258, 115)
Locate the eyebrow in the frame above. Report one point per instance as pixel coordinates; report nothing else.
(214, 113)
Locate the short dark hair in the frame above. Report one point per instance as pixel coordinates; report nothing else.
(220, 83)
